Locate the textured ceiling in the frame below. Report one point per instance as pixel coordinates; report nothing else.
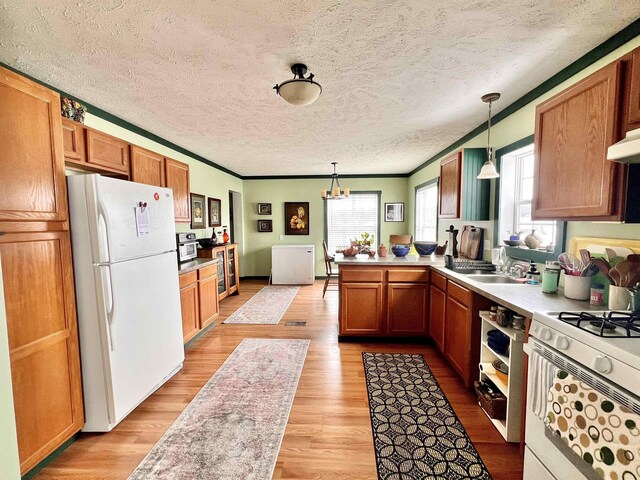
(401, 79)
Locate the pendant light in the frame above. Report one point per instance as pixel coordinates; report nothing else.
(489, 168)
(299, 90)
(335, 192)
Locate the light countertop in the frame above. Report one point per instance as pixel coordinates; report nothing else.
(522, 298)
(195, 264)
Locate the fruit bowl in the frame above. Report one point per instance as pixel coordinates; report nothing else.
(513, 243)
(400, 250)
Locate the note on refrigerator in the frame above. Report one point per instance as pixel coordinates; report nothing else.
(142, 221)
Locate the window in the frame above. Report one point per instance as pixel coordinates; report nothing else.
(515, 194)
(349, 218)
(426, 224)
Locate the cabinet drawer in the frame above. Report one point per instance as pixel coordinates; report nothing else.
(188, 278)
(208, 271)
(362, 275)
(439, 281)
(461, 294)
(409, 275)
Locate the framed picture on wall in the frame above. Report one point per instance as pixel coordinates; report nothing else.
(264, 209)
(197, 211)
(394, 212)
(265, 226)
(296, 218)
(215, 212)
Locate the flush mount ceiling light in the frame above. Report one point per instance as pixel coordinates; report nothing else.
(334, 193)
(299, 90)
(489, 168)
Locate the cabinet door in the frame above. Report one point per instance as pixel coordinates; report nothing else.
(437, 310)
(107, 152)
(457, 337)
(222, 273)
(573, 178)
(633, 95)
(232, 268)
(43, 341)
(361, 308)
(177, 178)
(450, 174)
(75, 149)
(147, 167)
(190, 311)
(408, 309)
(32, 182)
(208, 298)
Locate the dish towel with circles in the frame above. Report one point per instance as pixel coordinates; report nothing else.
(542, 372)
(601, 431)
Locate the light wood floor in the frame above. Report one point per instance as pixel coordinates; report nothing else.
(329, 431)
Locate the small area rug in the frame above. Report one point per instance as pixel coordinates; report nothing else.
(233, 427)
(416, 433)
(265, 307)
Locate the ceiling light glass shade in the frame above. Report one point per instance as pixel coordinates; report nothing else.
(488, 171)
(300, 91)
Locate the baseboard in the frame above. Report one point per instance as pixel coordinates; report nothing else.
(49, 458)
(255, 277)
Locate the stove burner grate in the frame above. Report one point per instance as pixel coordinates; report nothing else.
(611, 324)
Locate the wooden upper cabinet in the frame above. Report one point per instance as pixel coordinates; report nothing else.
(32, 182)
(632, 90)
(177, 178)
(147, 167)
(73, 139)
(450, 175)
(573, 131)
(107, 152)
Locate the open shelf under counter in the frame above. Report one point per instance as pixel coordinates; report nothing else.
(509, 427)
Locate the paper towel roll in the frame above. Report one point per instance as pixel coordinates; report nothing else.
(486, 367)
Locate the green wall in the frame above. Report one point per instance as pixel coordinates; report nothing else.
(257, 254)
(9, 463)
(516, 126)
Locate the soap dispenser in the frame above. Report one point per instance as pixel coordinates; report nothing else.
(533, 275)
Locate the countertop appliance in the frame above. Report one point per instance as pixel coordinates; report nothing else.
(602, 350)
(293, 264)
(128, 299)
(187, 246)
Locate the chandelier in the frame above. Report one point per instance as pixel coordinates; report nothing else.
(335, 192)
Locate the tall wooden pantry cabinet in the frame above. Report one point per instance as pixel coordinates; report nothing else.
(37, 269)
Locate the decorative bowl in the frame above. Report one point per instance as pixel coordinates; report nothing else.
(350, 251)
(400, 250)
(513, 243)
(425, 249)
(207, 243)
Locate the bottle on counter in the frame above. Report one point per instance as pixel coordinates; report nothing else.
(225, 236)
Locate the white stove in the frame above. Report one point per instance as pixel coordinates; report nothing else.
(600, 348)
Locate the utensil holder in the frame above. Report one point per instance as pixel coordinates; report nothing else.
(635, 301)
(619, 298)
(577, 288)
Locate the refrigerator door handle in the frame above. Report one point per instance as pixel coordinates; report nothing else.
(103, 233)
(108, 301)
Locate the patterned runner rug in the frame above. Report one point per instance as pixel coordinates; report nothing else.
(416, 433)
(265, 307)
(234, 426)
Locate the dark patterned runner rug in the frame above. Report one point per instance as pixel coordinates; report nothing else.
(416, 433)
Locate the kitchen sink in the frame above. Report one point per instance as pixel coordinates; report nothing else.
(494, 279)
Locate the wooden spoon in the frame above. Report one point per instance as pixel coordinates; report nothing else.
(624, 268)
(615, 276)
(611, 254)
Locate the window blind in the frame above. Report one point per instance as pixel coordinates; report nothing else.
(349, 218)
(426, 213)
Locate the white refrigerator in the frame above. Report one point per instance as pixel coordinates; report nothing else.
(293, 264)
(128, 298)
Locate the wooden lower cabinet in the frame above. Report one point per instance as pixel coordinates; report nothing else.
(43, 341)
(198, 299)
(361, 308)
(229, 268)
(437, 312)
(208, 294)
(407, 309)
(457, 336)
(189, 305)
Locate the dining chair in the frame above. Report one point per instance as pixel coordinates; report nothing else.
(330, 268)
